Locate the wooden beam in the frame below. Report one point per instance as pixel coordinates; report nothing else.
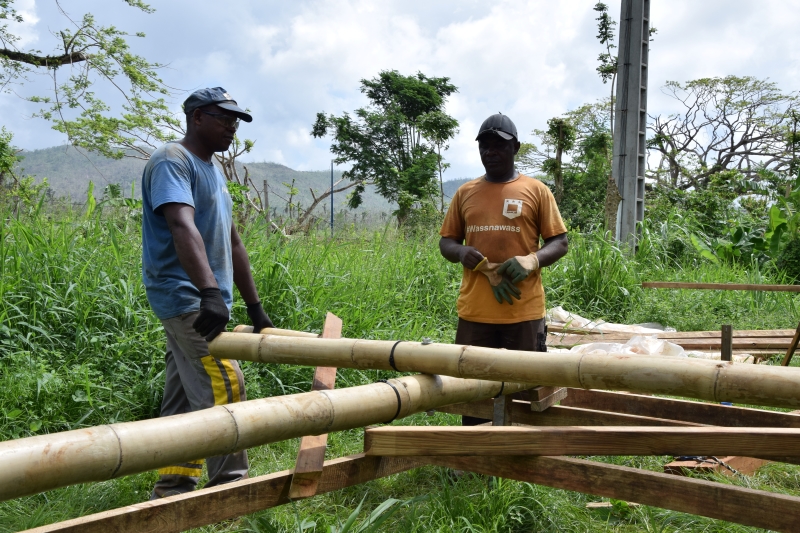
(684, 410)
(720, 286)
(548, 401)
(726, 343)
(311, 455)
(558, 415)
(757, 508)
(224, 502)
(580, 440)
(792, 347)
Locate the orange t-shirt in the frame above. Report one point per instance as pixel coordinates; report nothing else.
(502, 220)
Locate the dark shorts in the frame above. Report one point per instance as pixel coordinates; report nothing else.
(529, 336)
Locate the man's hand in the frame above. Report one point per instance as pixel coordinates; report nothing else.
(469, 257)
(505, 290)
(258, 317)
(213, 315)
(519, 267)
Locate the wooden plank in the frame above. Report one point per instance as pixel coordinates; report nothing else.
(559, 415)
(224, 502)
(726, 343)
(792, 347)
(580, 440)
(549, 401)
(720, 286)
(311, 455)
(684, 410)
(776, 512)
(728, 466)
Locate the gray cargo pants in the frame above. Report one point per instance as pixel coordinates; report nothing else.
(195, 380)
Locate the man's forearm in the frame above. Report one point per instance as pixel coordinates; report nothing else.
(554, 249)
(192, 255)
(450, 249)
(242, 275)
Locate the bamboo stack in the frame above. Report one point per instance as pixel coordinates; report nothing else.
(45, 462)
(693, 378)
(756, 342)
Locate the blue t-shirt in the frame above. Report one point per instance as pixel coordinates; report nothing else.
(174, 174)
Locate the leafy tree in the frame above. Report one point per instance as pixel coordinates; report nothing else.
(8, 157)
(85, 53)
(739, 124)
(395, 142)
(584, 161)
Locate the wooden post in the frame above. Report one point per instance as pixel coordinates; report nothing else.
(311, 455)
(501, 411)
(727, 343)
(792, 347)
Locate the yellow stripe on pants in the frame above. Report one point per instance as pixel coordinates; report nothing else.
(217, 380)
(233, 378)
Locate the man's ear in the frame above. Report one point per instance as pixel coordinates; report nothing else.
(516, 146)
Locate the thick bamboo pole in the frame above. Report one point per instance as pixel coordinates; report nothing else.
(678, 376)
(45, 462)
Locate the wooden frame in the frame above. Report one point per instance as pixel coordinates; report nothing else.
(588, 422)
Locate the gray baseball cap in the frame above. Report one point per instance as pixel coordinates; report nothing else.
(218, 96)
(499, 124)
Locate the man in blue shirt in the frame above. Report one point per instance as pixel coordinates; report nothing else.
(191, 257)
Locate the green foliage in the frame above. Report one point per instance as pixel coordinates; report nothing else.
(98, 53)
(80, 347)
(605, 34)
(395, 142)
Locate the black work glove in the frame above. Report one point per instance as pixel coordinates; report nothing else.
(258, 317)
(505, 290)
(213, 315)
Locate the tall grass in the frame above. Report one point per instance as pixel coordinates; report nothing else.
(79, 346)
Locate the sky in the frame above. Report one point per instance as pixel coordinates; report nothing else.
(286, 61)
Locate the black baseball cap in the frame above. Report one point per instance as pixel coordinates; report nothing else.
(218, 96)
(499, 124)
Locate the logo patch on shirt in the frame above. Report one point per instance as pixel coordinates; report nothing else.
(512, 208)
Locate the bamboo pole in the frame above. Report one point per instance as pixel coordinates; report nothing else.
(677, 376)
(45, 462)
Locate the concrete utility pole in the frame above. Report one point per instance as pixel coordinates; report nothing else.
(631, 117)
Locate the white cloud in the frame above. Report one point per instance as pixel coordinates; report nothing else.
(532, 60)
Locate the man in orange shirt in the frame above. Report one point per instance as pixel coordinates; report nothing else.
(493, 228)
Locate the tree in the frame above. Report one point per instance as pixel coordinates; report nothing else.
(439, 128)
(607, 69)
(583, 163)
(84, 54)
(739, 124)
(393, 142)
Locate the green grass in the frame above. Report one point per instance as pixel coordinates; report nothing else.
(79, 347)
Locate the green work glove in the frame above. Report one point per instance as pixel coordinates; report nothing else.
(519, 267)
(504, 290)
